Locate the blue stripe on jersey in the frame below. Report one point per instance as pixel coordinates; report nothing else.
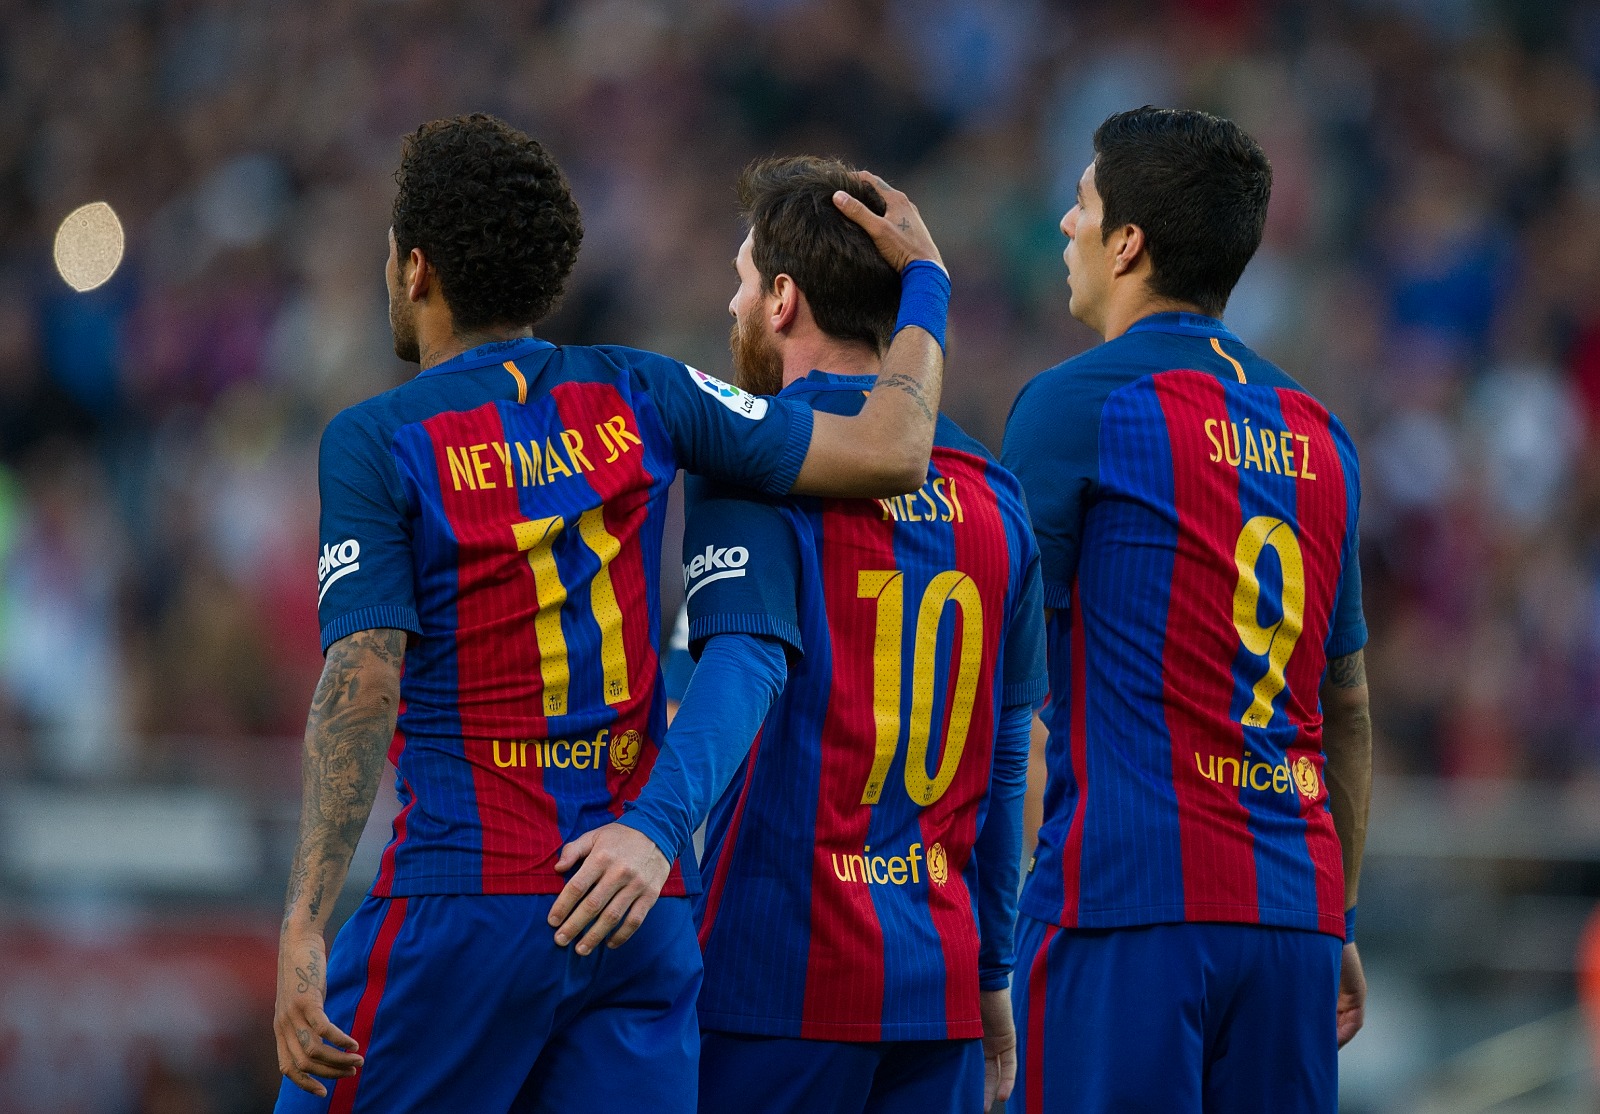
(771, 911)
(443, 837)
(1137, 821)
(1285, 875)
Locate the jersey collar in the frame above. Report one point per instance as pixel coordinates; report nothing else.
(495, 352)
(1184, 324)
(818, 380)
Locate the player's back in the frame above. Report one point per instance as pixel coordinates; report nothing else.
(506, 508)
(842, 885)
(1212, 561)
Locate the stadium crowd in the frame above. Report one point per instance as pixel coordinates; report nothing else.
(1431, 270)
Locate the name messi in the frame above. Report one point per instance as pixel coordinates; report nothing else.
(1267, 450)
(528, 464)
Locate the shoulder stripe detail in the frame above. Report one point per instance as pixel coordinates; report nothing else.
(1238, 368)
(522, 382)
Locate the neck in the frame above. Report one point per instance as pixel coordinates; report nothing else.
(841, 357)
(439, 344)
(1124, 312)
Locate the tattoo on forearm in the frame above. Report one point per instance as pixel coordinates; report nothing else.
(1348, 672)
(910, 386)
(347, 737)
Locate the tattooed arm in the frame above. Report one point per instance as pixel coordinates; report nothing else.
(1347, 741)
(884, 449)
(348, 731)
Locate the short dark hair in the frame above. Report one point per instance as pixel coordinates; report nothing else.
(494, 216)
(853, 292)
(1197, 186)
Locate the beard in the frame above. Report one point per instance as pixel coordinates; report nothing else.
(404, 327)
(757, 364)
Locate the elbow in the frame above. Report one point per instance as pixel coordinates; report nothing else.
(903, 473)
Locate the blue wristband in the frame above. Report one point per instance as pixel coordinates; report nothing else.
(924, 298)
(1350, 925)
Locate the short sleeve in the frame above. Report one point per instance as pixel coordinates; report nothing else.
(1051, 446)
(741, 570)
(1348, 631)
(722, 432)
(364, 569)
(1024, 672)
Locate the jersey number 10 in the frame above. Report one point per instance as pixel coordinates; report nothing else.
(888, 667)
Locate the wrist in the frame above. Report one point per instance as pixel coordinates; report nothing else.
(651, 829)
(924, 298)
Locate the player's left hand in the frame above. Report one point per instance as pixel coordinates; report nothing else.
(621, 877)
(1352, 1010)
(999, 1046)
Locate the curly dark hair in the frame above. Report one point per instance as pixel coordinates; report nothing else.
(494, 216)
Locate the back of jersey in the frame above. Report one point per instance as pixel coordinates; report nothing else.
(506, 508)
(1203, 578)
(842, 883)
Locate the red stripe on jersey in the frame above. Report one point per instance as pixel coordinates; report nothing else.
(982, 553)
(624, 486)
(343, 1099)
(385, 880)
(1038, 987)
(1322, 514)
(1201, 643)
(497, 650)
(844, 966)
(1078, 727)
(730, 841)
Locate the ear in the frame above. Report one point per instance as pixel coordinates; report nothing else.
(784, 309)
(417, 275)
(1130, 248)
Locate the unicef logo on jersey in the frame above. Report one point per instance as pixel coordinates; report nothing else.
(337, 561)
(740, 402)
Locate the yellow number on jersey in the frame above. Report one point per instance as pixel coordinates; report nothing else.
(537, 539)
(1276, 642)
(888, 588)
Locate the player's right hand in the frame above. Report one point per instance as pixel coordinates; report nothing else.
(309, 1045)
(1352, 1008)
(999, 1047)
(899, 235)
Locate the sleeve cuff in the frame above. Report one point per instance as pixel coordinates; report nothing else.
(1028, 693)
(752, 622)
(794, 450)
(994, 978)
(370, 618)
(1347, 641)
(1057, 597)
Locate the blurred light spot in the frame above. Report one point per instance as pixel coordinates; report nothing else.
(89, 246)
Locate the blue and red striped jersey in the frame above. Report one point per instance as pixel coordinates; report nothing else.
(843, 862)
(506, 508)
(1196, 516)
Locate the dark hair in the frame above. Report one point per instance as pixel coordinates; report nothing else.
(853, 292)
(1196, 185)
(494, 216)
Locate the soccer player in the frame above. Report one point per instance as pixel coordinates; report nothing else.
(493, 526)
(1186, 940)
(865, 861)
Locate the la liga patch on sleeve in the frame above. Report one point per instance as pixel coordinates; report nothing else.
(740, 402)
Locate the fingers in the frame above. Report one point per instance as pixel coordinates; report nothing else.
(309, 1046)
(572, 852)
(609, 918)
(630, 924)
(1008, 1075)
(567, 901)
(601, 886)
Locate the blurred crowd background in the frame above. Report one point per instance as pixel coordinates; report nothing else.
(1431, 270)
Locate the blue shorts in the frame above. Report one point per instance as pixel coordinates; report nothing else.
(1175, 1019)
(740, 1073)
(464, 1002)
